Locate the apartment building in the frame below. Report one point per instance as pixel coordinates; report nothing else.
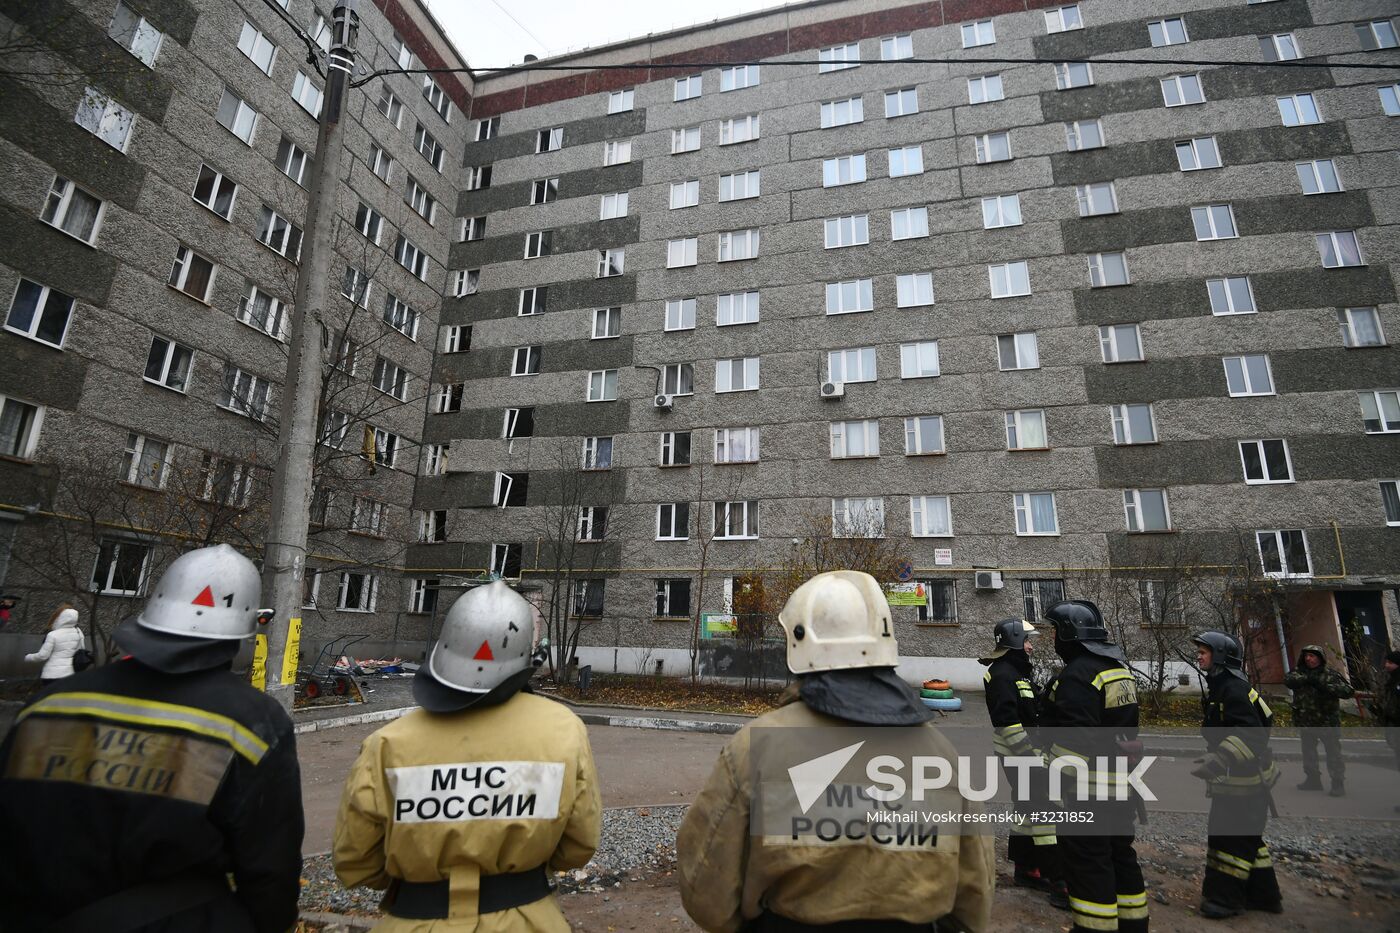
(1051, 328)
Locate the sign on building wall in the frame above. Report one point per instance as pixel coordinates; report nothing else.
(718, 625)
(906, 594)
(943, 557)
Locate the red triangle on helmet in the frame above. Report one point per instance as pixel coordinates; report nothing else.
(205, 598)
(484, 653)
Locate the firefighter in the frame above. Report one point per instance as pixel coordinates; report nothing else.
(462, 808)
(1012, 704)
(1317, 694)
(1091, 712)
(133, 793)
(841, 646)
(1239, 772)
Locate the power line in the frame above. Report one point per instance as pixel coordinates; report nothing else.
(311, 47)
(970, 60)
(517, 22)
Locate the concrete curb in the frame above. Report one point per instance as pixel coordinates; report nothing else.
(356, 719)
(657, 722)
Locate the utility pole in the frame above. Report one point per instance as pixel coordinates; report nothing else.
(284, 566)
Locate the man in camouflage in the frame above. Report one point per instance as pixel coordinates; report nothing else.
(1317, 694)
(1386, 705)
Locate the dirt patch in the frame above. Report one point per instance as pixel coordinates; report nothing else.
(670, 693)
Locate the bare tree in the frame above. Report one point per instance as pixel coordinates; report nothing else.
(704, 536)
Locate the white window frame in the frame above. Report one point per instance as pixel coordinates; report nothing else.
(983, 148)
(1377, 35)
(413, 258)
(858, 517)
(738, 77)
(852, 362)
(1221, 293)
(678, 379)
(1017, 423)
(902, 102)
(58, 208)
(27, 439)
(1121, 419)
(168, 358)
(1135, 516)
(923, 436)
(1208, 218)
(274, 320)
(1075, 132)
(1024, 347)
(673, 521)
(915, 359)
(1111, 343)
(852, 167)
(390, 106)
(922, 524)
(180, 272)
(670, 454)
(844, 112)
(1242, 365)
(1193, 154)
(682, 253)
(46, 296)
(688, 87)
(725, 513)
(1168, 31)
(679, 314)
(736, 445)
(1001, 210)
(244, 393)
(854, 440)
(612, 206)
(1265, 475)
(1374, 401)
(1009, 272)
(850, 297)
(521, 364)
(984, 89)
(1390, 99)
(1183, 88)
(369, 592)
(982, 32)
(610, 320)
(838, 57)
(737, 130)
(292, 160)
(685, 139)
(1346, 321)
(106, 119)
(136, 37)
(602, 385)
(1318, 176)
(1284, 572)
(685, 194)
(841, 232)
(740, 186)
(279, 234)
(1064, 19)
(114, 547)
(1299, 110)
(1071, 75)
(913, 289)
(910, 161)
(748, 369)
(598, 452)
(1091, 199)
(611, 262)
(255, 46)
(738, 245)
(1023, 505)
(1108, 270)
(307, 94)
(1280, 47)
(1332, 242)
(737, 308)
(897, 48)
(909, 223)
(617, 152)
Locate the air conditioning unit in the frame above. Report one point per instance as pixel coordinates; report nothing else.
(833, 389)
(663, 401)
(987, 580)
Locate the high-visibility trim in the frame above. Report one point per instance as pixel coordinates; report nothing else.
(115, 708)
(1043, 840)
(1094, 916)
(1133, 913)
(1024, 688)
(1236, 748)
(987, 676)
(1228, 864)
(1264, 859)
(1131, 900)
(1112, 675)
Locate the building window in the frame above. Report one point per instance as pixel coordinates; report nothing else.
(901, 103)
(19, 427)
(1318, 176)
(525, 362)
(906, 161)
(1063, 19)
(488, 128)
(1231, 295)
(121, 567)
(923, 434)
(688, 87)
(855, 365)
(1018, 351)
(418, 198)
(168, 364)
(1010, 280)
(675, 448)
(673, 598)
(845, 170)
(858, 518)
(1298, 110)
(1003, 210)
(680, 314)
(685, 194)
(620, 101)
(292, 160)
(386, 447)
(894, 48)
(588, 598)
(457, 338)
(465, 282)
(244, 393)
(398, 315)
(1069, 75)
(39, 313)
(1284, 553)
(738, 77)
(423, 595)
(368, 222)
(1025, 430)
(838, 57)
(72, 210)
(738, 244)
(549, 140)
(1361, 327)
(617, 152)
(279, 234)
(358, 592)
(854, 439)
(428, 147)
(334, 426)
(930, 517)
(678, 379)
(597, 453)
(1181, 90)
(842, 112)
(736, 375)
(538, 244)
(1133, 424)
(1266, 462)
(307, 94)
(992, 147)
(449, 398)
(940, 602)
(612, 261)
(984, 89)
(1214, 222)
(432, 526)
(506, 560)
(380, 163)
(1282, 47)
(1039, 595)
(1390, 500)
(681, 253)
(918, 360)
(478, 177)
(685, 139)
(1196, 154)
(914, 289)
(607, 322)
(1146, 510)
(1339, 248)
(192, 274)
(473, 228)
(390, 106)
(262, 311)
(736, 519)
(909, 223)
(518, 422)
(1390, 100)
(1108, 269)
(848, 297)
(1379, 34)
(321, 33)
(735, 308)
(736, 445)
(1097, 198)
(132, 32)
(1248, 375)
(109, 121)
(602, 385)
(847, 231)
(1167, 32)
(1083, 134)
(978, 33)
(437, 98)
(612, 206)
(1035, 514)
(236, 116)
(738, 129)
(512, 490)
(593, 523)
(739, 186)
(543, 191)
(411, 257)
(1380, 411)
(1121, 343)
(533, 300)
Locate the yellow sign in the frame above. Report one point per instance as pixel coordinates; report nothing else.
(293, 655)
(259, 669)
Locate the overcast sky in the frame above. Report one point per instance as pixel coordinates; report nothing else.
(487, 35)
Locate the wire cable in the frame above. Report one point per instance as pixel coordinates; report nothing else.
(313, 50)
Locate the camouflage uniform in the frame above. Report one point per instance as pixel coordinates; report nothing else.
(1317, 696)
(1386, 708)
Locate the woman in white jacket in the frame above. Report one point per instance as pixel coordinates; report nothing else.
(60, 645)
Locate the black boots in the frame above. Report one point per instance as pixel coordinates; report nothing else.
(1311, 782)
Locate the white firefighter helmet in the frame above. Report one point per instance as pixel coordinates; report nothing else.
(486, 639)
(837, 620)
(211, 593)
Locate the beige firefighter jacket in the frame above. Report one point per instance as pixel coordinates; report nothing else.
(460, 795)
(728, 878)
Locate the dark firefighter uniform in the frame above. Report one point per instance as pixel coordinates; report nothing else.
(1239, 771)
(1090, 711)
(147, 791)
(1013, 704)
